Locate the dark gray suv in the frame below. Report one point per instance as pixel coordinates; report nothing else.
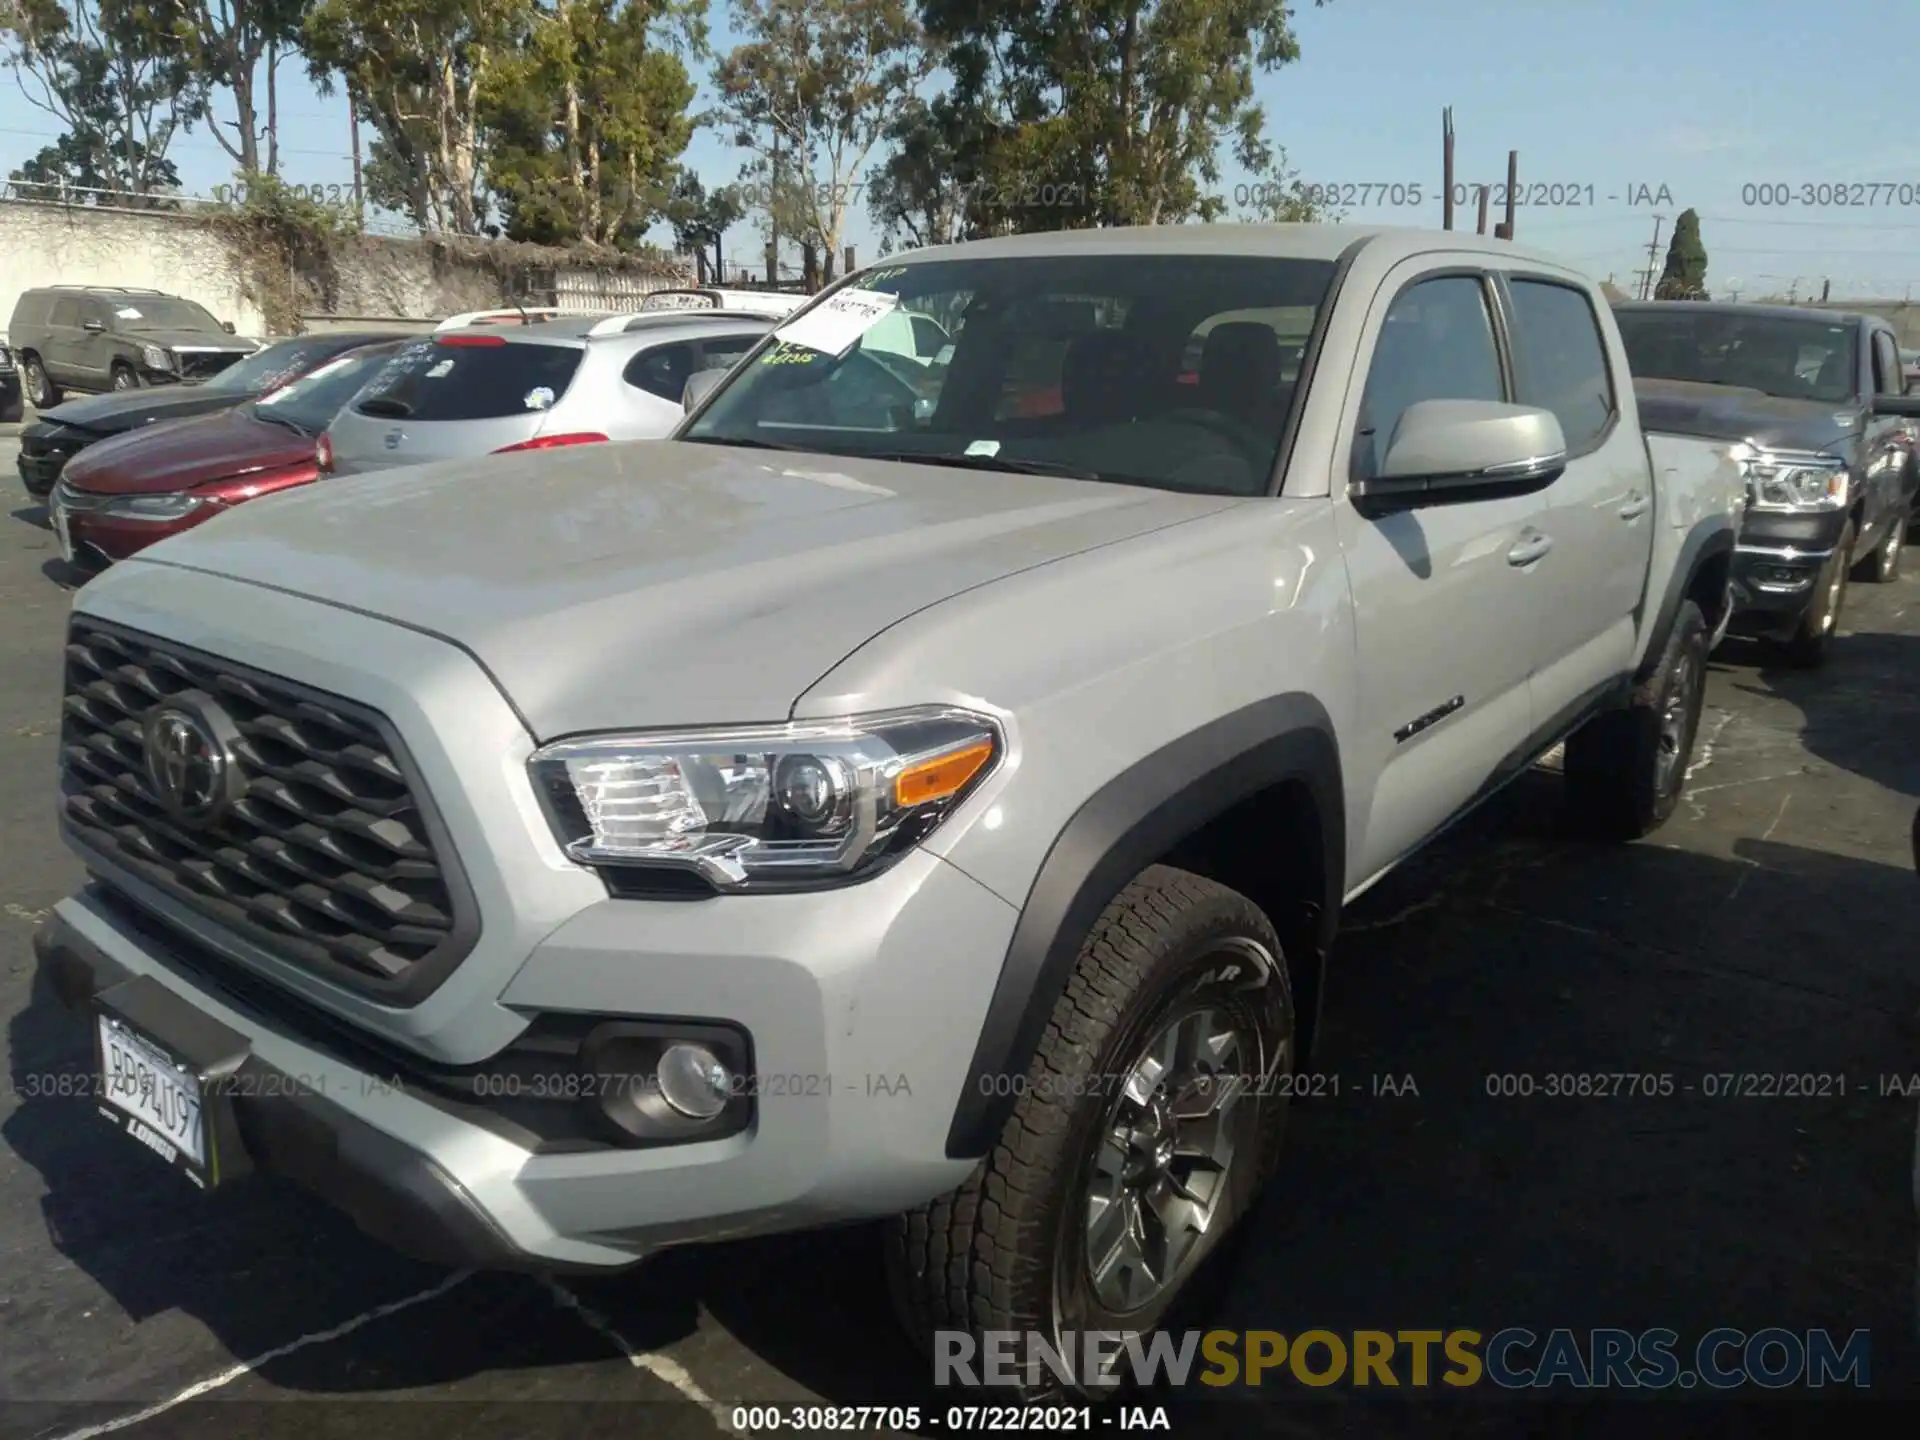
(92, 338)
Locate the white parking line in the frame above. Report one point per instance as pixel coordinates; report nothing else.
(227, 1377)
(661, 1367)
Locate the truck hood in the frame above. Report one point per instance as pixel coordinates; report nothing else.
(1724, 412)
(662, 583)
(122, 410)
(185, 453)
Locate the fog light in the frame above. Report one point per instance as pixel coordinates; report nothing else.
(693, 1081)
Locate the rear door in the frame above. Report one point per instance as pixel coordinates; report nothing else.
(460, 394)
(60, 352)
(1599, 515)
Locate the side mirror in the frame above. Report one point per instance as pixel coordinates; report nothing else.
(700, 384)
(1446, 452)
(227, 325)
(92, 327)
(1905, 407)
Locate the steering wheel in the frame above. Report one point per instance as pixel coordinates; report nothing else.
(1228, 427)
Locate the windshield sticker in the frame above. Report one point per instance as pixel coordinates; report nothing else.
(127, 313)
(538, 398)
(984, 447)
(782, 353)
(835, 325)
(867, 282)
(440, 370)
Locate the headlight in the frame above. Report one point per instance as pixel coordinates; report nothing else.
(155, 358)
(765, 806)
(1804, 483)
(153, 507)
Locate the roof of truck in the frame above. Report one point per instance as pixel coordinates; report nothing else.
(1303, 242)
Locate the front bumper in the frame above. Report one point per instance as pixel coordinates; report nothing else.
(40, 472)
(1777, 567)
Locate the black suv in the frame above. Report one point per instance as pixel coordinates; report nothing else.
(100, 337)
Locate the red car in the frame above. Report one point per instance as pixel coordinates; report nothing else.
(122, 494)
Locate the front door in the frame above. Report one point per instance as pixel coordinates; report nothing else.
(1599, 515)
(1445, 597)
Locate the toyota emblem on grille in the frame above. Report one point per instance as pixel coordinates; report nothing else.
(394, 437)
(190, 758)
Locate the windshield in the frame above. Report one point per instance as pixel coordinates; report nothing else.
(310, 403)
(144, 314)
(1175, 371)
(1811, 359)
(275, 365)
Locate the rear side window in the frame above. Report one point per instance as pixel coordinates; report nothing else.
(66, 311)
(661, 371)
(1560, 361)
(718, 354)
(433, 380)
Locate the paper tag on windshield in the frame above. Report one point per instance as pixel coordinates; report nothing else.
(835, 326)
(984, 447)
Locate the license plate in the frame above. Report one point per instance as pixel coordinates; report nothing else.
(58, 514)
(154, 1098)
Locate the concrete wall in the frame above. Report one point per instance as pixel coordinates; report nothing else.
(51, 244)
(372, 278)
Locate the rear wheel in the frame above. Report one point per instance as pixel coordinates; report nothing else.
(1625, 769)
(1144, 1128)
(40, 390)
(1807, 647)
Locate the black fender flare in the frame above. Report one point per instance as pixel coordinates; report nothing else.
(1125, 826)
(1708, 539)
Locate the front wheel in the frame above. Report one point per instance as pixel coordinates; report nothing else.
(124, 378)
(40, 388)
(1143, 1130)
(1625, 769)
(1882, 567)
(1812, 638)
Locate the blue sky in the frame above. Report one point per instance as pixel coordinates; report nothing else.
(1611, 102)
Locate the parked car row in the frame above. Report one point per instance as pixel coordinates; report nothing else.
(124, 470)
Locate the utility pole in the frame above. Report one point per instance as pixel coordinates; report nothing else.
(1653, 249)
(1446, 168)
(1826, 289)
(1504, 230)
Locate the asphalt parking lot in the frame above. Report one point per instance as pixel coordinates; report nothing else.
(1768, 930)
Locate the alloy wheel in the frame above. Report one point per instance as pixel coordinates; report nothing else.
(1166, 1152)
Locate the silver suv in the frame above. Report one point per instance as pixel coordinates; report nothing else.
(475, 388)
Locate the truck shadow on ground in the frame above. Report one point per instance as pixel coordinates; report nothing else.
(1480, 981)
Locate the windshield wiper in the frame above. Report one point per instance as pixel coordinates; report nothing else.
(384, 409)
(270, 418)
(747, 443)
(1011, 463)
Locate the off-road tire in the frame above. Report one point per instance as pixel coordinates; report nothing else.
(1807, 648)
(42, 393)
(986, 1256)
(124, 377)
(1616, 785)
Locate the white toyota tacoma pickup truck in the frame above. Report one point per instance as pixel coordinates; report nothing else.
(923, 788)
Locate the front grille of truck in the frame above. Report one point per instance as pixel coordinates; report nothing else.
(201, 365)
(330, 856)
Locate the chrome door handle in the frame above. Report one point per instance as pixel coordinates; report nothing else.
(1636, 506)
(1529, 550)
